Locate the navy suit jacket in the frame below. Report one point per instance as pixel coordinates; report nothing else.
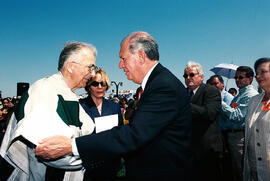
(156, 144)
(108, 170)
(108, 108)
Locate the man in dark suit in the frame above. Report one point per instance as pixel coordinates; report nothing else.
(156, 143)
(206, 135)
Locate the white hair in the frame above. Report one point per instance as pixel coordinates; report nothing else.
(196, 65)
(73, 51)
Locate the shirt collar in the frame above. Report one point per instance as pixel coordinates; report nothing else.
(146, 77)
(195, 90)
(245, 88)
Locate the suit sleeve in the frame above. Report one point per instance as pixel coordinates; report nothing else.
(210, 107)
(120, 116)
(157, 107)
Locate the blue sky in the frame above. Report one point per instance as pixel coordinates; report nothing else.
(33, 32)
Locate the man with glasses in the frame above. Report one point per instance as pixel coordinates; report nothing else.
(235, 118)
(207, 143)
(50, 107)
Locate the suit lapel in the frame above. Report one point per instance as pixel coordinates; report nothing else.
(105, 107)
(198, 93)
(251, 119)
(93, 108)
(153, 74)
(254, 108)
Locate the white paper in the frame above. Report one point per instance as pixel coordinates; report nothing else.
(106, 122)
(41, 124)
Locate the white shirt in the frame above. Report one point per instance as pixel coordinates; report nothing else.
(146, 77)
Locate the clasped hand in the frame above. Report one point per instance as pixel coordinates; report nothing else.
(54, 147)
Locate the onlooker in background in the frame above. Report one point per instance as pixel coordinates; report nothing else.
(51, 107)
(2, 127)
(123, 104)
(1, 102)
(132, 106)
(233, 91)
(115, 99)
(7, 111)
(257, 130)
(206, 135)
(218, 82)
(235, 114)
(95, 106)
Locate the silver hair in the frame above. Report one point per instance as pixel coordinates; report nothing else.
(72, 50)
(196, 65)
(141, 40)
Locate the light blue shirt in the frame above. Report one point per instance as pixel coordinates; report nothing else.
(235, 117)
(227, 98)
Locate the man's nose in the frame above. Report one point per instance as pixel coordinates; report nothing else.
(121, 64)
(91, 74)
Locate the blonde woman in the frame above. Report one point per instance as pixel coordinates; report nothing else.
(95, 105)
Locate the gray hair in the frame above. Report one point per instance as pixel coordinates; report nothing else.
(71, 51)
(143, 41)
(196, 65)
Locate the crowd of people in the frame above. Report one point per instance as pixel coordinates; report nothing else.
(167, 132)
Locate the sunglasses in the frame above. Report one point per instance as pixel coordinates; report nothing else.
(239, 77)
(214, 83)
(95, 84)
(190, 75)
(261, 73)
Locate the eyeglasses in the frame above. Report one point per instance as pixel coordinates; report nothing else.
(190, 75)
(96, 84)
(214, 83)
(239, 77)
(261, 73)
(90, 67)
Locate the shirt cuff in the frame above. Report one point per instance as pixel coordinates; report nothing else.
(74, 148)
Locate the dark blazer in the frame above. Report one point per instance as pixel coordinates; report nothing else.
(156, 143)
(206, 105)
(108, 108)
(108, 170)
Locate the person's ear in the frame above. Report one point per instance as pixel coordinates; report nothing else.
(201, 75)
(69, 67)
(142, 56)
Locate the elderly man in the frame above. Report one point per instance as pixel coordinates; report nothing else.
(235, 117)
(156, 142)
(51, 107)
(205, 103)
